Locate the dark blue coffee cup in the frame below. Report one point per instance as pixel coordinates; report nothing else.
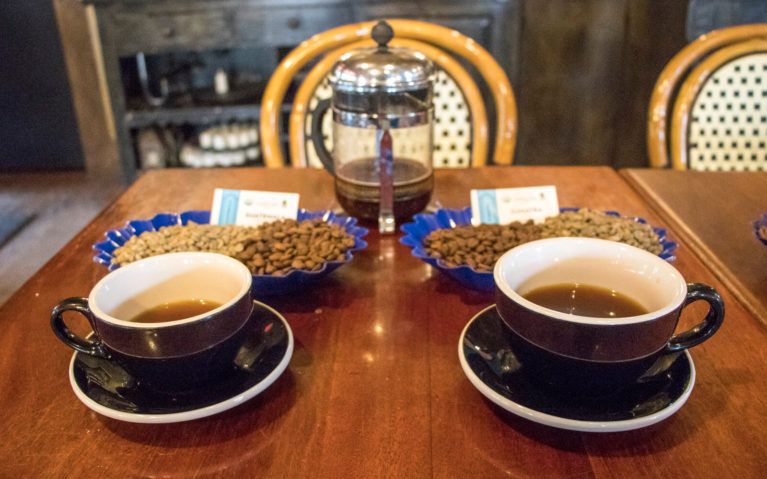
(170, 355)
(596, 355)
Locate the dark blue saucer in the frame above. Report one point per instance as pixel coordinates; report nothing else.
(109, 390)
(488, 360)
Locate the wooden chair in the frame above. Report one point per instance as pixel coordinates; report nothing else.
(716, 91)
(436, 42)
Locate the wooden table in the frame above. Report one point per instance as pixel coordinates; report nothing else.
(374, 388)
(714, 213)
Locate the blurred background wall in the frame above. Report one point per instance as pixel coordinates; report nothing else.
(38, 130)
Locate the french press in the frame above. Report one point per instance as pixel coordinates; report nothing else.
(382, 131)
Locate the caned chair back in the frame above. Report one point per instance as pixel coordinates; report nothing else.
(715, 91)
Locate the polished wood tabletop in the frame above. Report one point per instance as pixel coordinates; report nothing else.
(374, 387)
(714, 212)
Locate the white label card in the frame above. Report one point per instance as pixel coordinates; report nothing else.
(502, 206)
(251, 208)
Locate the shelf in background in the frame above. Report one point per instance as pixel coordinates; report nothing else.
(195, 115)
(191, 115)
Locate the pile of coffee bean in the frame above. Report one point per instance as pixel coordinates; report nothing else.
(480, 246)
(274, 248)
(597, 224)
(282, 246)
(177, 238)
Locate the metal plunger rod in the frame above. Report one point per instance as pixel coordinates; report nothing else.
(385, 175)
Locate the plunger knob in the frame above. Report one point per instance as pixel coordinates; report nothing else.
(382, 33)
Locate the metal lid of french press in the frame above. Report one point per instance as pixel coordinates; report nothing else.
(382, 68)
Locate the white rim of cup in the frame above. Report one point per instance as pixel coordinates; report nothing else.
(679, 297)
(123, 270)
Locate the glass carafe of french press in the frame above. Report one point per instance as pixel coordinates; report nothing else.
(382, 131)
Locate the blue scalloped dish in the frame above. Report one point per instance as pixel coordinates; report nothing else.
(760, 229)
(262, 284)
(425, 223)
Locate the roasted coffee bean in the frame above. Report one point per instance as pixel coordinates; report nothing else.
(271, 248)
(478, 246)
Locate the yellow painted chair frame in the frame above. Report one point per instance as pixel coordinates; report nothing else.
(682, 79)
(423, 36)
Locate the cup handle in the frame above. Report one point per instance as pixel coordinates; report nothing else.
(705, 329)
(94, 346)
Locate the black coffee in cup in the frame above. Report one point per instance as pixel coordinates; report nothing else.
(175, 310)
(585, 300)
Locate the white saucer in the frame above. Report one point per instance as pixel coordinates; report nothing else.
(487, 359)
(107, 389)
